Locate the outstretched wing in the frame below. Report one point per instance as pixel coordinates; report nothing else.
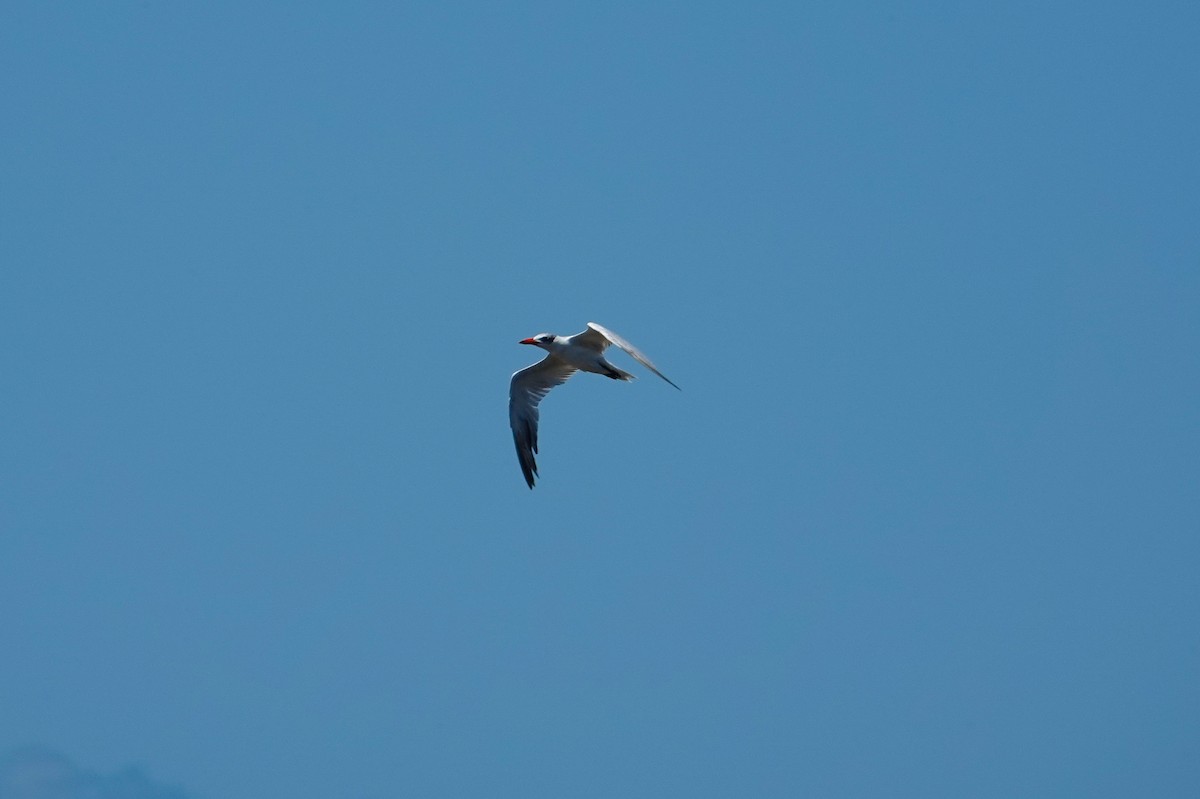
(526, 390)
(598, 337)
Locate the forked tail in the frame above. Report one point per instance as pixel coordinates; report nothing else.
(617, 374)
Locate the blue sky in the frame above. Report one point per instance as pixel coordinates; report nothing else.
(923, 521)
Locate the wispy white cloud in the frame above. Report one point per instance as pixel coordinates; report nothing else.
(35, 772)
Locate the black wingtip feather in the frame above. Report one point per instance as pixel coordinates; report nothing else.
(526, 459)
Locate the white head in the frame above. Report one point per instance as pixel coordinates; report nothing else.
(543, 340)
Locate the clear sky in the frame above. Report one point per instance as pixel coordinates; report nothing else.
(923, 522)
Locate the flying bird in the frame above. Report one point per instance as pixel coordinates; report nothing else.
(582, 352)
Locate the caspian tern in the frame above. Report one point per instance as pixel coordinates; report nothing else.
(583, 352)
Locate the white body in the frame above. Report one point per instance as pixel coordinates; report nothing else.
(582, 357)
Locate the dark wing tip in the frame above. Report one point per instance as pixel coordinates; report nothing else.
(525, 458)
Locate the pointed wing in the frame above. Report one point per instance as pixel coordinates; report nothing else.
(599, 337)
(526, 390)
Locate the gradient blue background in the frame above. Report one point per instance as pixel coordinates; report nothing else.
(923, 522)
